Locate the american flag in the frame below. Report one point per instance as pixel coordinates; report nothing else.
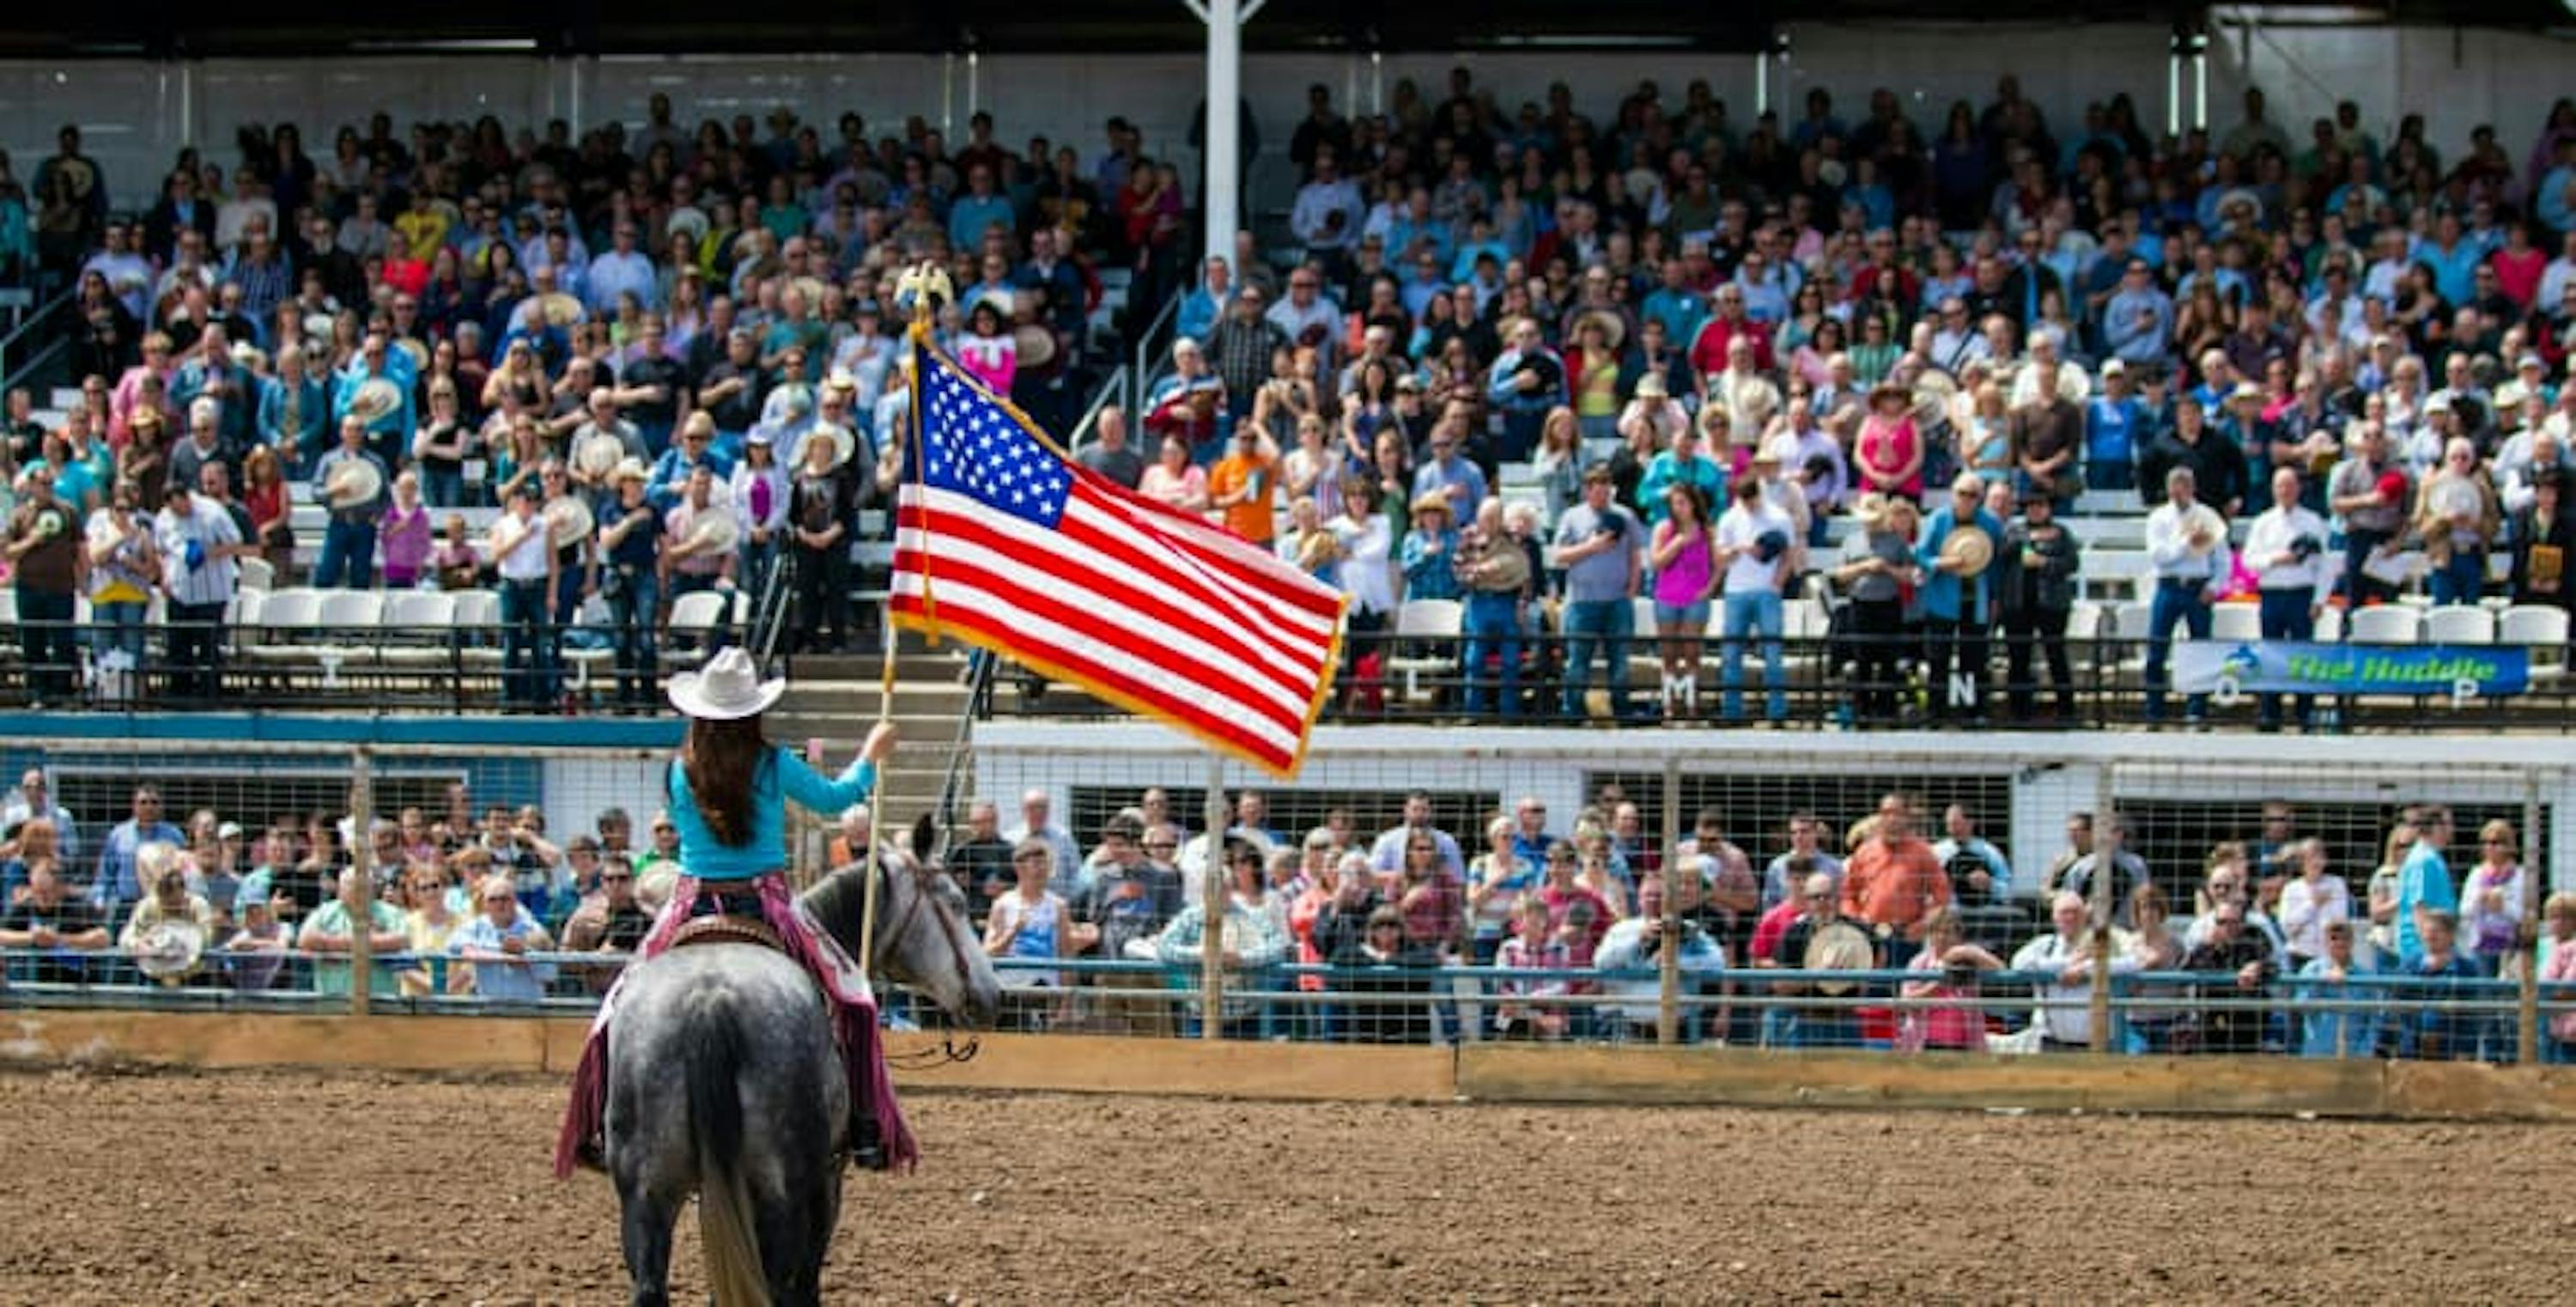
(1004, 544)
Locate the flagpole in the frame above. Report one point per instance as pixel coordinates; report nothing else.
(924, 283)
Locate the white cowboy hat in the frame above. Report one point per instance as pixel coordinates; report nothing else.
(559, 309)
(715, 530)
(352, 481)
(375, 397)
(568, 521)
(1969, 549)
(730, 688)
(596, 454)
(169, 948)
(843, 443)
(1036, 345)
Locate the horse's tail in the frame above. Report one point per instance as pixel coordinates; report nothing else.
(725, 1227)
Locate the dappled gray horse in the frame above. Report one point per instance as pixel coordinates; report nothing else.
(725, 1080)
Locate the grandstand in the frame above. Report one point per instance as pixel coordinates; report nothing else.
(1904, 281)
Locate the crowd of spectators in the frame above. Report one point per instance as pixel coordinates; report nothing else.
(1572, 915)
(1700, 340)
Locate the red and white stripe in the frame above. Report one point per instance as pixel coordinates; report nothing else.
(1148, 607)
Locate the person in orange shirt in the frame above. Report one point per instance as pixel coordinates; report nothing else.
(1893, 881)
(1244, 485)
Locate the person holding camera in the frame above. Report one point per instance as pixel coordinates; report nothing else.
(1637, 944)
(2286, 546)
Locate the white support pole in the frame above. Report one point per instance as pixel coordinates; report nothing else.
(1223, 159)
(2173, 90)
(974, 83)
(1762, 83)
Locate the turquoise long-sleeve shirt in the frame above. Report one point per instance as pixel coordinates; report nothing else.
(783, 776)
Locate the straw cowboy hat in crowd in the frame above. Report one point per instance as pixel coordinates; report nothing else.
(568, 521)
(729, 689)
(376, 397)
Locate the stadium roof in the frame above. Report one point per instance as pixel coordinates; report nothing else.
(319, 27)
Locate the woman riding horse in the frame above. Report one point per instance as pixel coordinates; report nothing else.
(728, 792)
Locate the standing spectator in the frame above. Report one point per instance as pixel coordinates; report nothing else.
(2369, 495)
(1033, 924)
(2064, 1011)
(1756, 546)
(50, 918)
(2311, 904)
(1636, 943)
(329, 929)
(1893, 881)
(525, 558)
(2286, 546)
(117, 883)
(630, 539)
(1243, 487)
(1943, 1013)
(822, 507)
(2185, 545)
(1600, 547)
(1524, 383)
(2544, 545)
(497, 940)
(2034, 582)
(2326, 1031)
(2437, 1033)
(1684, 554)
(1494, 568)
(1957, 597)
(1887, 456)
(123, 557)
(355, 500)
(43, 552)
(2458, 516)
(2492, 899)
(2423, 882)
(33, 800)
(2241, 960)
(198, 544)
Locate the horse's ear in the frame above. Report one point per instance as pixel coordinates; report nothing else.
(925, 839)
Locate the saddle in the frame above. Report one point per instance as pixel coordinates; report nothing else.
(724, 928)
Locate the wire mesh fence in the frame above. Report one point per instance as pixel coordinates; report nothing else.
(2145, 896)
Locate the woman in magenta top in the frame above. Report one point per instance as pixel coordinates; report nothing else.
(1685, 572)
(988, 349)
(405, 535)
(1889, 453)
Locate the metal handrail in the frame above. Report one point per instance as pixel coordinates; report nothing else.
(1149, 346)
(36, 317)
(1112, 389)
(769, 610)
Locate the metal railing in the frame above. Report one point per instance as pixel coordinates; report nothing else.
(2363, 1015)
(1391, 678)
(1153, 350)
(17, 364)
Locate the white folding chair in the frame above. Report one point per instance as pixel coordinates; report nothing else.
(415, 627)
(1427, 619)
(2542, 629)
(2459, 624)
(2385, 624)
(2235, 623)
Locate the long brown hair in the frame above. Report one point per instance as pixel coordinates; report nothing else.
(721, 759)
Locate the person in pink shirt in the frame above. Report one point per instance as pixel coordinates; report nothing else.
(404, 536)
(987, 348)
(1948, 1017)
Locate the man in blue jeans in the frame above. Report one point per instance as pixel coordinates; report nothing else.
(525, 557)
(2187, 546)
(1495, 570)
(1756, 545)
(1601, 548)
(349, 541)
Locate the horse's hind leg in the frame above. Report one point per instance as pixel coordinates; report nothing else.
(796, 1231)
(645, 1220)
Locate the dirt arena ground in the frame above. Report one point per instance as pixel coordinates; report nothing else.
(277, 1188)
